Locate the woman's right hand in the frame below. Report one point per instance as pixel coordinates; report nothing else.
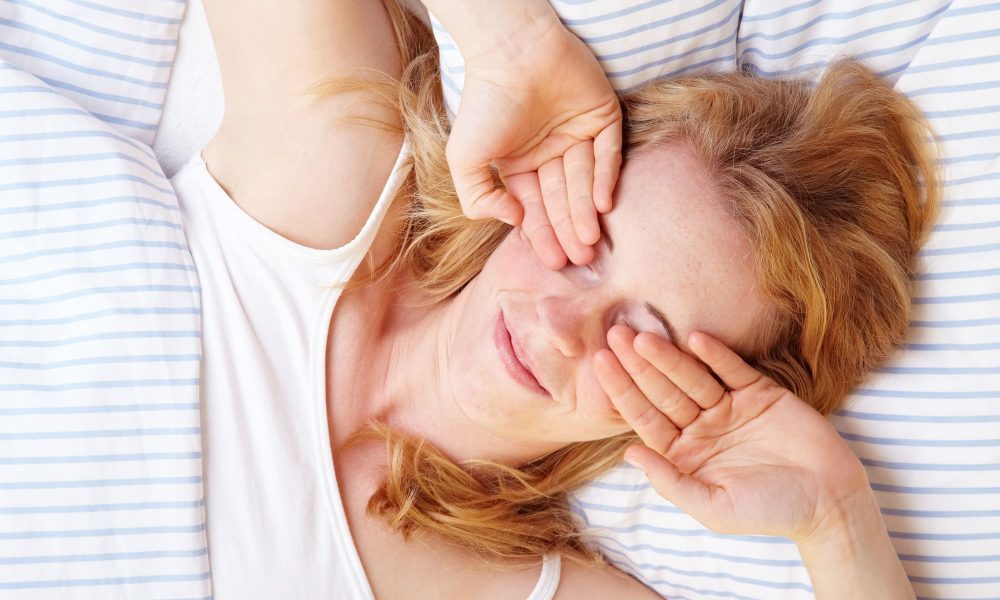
(538, 106)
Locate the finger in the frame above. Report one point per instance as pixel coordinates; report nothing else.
(728, 365)
(685, 491)
(653, 427)
(553, 183)
(684, 371)
(607, 164)
(654, 384)
(579, 166)
(536, 226)
(477, 191)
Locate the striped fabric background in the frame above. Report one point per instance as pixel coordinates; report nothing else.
(100, 472)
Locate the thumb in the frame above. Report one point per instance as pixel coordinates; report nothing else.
(684, 491)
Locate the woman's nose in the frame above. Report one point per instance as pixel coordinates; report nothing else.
(564, 322)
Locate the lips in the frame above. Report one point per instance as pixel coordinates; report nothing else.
(513, 357)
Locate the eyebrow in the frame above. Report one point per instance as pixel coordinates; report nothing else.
(650, 309)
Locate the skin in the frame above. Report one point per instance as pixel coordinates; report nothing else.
(446, 356)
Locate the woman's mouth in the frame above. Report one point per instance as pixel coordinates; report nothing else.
(515, 368)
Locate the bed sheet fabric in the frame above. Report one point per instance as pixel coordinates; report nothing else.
(100, 453)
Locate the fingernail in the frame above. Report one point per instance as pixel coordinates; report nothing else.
(507, 220)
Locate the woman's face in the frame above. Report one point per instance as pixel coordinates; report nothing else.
(674, 249)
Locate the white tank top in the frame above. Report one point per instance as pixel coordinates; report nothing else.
(276, 525)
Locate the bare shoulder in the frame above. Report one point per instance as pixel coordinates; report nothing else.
(583, 582)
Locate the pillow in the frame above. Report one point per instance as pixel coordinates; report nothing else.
(926, 424)
(100, 454)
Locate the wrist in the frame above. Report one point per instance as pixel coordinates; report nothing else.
(488, 30)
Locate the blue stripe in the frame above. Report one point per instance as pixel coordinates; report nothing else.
(973, 10)
(619, 487)
(961, 37)
(72, 558)
(950, 64)
(695, 554)
(87, 508)
(961, 347)
(92, 27)
(156, 85)
(831, 16)
(90, 385)
(167, 310)
(106, 269)
(126, 122)
(98, 458)
(956, 275)
(969, 135)
(940, 514)
(940, 370)
(34, 185)
(778, 13)
(906, 489)
(971, 179)
(863, 55)
(58, 583)
(62, 135)
(957, 323)
(102, 360)
(882, 441)
(971, 202)
(784, 585)
(113, 335)
(898, 466)
(59, 485)
(955, 580)
(63, 85)
(820, 41)
(671, 41)
(73, 435)
(961, 87)
(100, 290)
(127, 13)
(957, 299)
(91, 226)
(970, 226)
(970, 158)
(671, 58)
(758, 539)
(692, 67)
(615, 14)
(158, 64)
(652, 25)
(951, 394)
(80, 410)
(945, 536)
(78, 533)
(868, 416)
(137, 200)
(52, 160)
(645, 506)
(963, 112)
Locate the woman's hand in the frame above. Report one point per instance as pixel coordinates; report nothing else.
(537, 105)
(750, 458)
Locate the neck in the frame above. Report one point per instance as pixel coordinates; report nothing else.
(409, 387)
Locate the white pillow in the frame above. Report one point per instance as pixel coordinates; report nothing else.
(100, 452)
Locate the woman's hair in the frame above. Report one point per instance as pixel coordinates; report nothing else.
(833, 184)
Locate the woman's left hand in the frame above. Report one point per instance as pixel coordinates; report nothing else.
(750, 459)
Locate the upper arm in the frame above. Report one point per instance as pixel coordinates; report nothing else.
(302, 168)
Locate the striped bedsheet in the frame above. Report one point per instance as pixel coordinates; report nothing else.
(100, 471)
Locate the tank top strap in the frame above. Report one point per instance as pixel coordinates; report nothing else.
(548, 581)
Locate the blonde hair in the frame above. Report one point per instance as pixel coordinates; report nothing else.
(835, 188)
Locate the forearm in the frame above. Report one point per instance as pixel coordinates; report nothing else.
(854, 558)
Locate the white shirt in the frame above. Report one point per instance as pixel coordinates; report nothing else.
(275, 521)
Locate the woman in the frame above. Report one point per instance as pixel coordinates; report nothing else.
(480, 341)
